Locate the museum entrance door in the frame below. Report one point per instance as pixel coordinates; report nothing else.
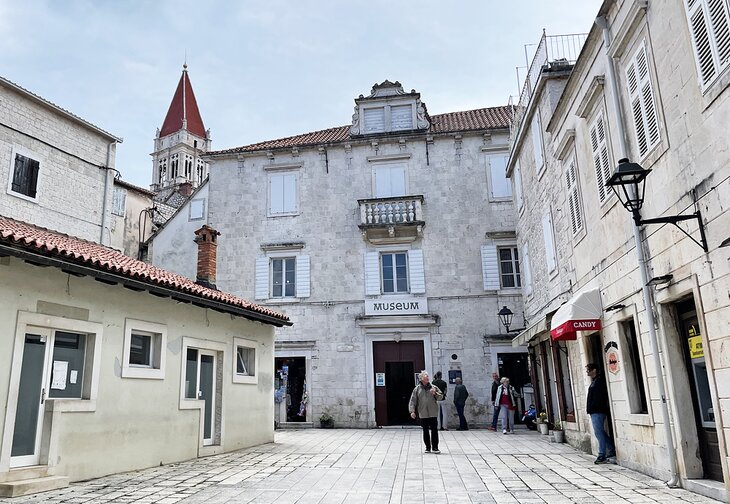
(395, 368)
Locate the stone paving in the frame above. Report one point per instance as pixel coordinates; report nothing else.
(384, 466)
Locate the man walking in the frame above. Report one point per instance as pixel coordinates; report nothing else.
(460, 395)
(495, 384)
(442, 416)
(597, 407)
(424, 401)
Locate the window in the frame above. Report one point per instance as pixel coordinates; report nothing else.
(509, 267)
(526, 273)
(283, 277)
(119, 201)
(67, 377)
(145, 345)
(374, 120)
(500, 185)
(246, 361)
(517, 176)
(401, 117)
(563, 381)
(387, 118)
(389, 180)
(709, 24)
(634, 373)
(548, 237)
(641, 96)
(197, 209)
(394, 272)
(537, 142)
(601, 161)
(283, 193)
(24, 181)
(574, 203)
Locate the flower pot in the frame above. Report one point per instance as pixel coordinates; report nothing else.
(544, 428)
(559, 436)
(327, 424)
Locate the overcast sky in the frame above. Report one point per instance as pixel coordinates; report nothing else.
(267, 69)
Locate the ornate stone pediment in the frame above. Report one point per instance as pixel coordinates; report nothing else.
(391, 94)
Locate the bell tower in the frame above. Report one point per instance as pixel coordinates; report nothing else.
(180, 143)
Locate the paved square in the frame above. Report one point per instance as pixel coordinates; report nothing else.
(383, 466)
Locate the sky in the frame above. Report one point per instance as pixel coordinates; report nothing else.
(268, 69)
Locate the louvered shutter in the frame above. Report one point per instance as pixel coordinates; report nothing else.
(303, 277)
(261, 288)
(576, 213)
(547, 234)
(417, 277)
(372, 273)
(601, 161)
(643, 106)
(526, 272)
(490, 267)
(709, 23)
(374, 120)
(518, 184)
(401, 117)
(537, 142)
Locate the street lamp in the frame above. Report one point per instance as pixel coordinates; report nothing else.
(505, 315)
(629, 184)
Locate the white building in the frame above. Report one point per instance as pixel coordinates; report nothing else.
(651, 84)
(382, 241)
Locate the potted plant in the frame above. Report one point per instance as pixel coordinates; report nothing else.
(542, 423)
(558, 432)
(326, 421)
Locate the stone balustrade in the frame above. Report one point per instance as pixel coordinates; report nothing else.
(391, 211)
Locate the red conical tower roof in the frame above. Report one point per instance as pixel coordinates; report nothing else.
(183, 110)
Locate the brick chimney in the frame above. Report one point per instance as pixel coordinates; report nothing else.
(207, 239)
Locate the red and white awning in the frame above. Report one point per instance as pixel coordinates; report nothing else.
(582, 313)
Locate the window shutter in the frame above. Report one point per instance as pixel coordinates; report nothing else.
(302, 276)
(643, 107)
(526, 272)
(547, 233)
(401, 117)
(537, 142)
(709, 23)
(417, 277)
(372, 273)
(501, 187)
(576, 217)
(290, 192)
(490, 268)
(720, 20)
(518, 184)
(276, 193)
(374, 120)
(262, 278)
(601, 162)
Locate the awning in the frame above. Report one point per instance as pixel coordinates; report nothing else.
(525, 336)
(581, 313)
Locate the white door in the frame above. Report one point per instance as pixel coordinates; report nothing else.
(207, 393)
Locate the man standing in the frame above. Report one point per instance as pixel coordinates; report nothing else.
(424, 401)
(495, 384)
(442, 416)
(460, 395)
(597, 407)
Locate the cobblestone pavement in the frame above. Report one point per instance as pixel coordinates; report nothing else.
(381, 467)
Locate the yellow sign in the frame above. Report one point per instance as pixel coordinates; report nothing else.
(695, 347)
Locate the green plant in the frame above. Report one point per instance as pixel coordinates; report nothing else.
(557, 425)
(542, 418)
(326, 421)
(325, 417)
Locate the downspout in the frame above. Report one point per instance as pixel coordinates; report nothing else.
(602, 23)
(107, 191)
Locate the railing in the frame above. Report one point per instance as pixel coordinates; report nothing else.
(391, 211)
(552, 51)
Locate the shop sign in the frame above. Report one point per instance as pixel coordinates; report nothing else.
(400, 305)
(612, 357)
(380, 379)
(696, 351)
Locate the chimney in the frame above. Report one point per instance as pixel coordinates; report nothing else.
(207, 239)
(186, 189)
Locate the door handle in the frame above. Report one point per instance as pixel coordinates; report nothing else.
(200, 394)
(43, 395)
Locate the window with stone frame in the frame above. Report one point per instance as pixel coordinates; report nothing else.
(24, 179)
(634, 370)
(601, 157)
(283, 193)
(709, 25)
(144, 352)
(283, 277)
(642, 102)
(394, 272)
(386, 118)
(563, 381)
(575, 208)
(509, 267)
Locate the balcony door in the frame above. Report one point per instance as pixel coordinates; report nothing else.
(389, 180)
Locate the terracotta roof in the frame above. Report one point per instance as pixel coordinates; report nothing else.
(469, 120)
(183, 106)
(133, 187)
(69, 249)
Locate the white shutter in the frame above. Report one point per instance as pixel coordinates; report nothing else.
(261, 288)
(517, 176)
(576, 212)
(401, 117)
(417, 277)
(643, 107)
(372, 273)
(374, 120)
(501, 187)
(547, 234)
(290, 192)
(303, 277)
(490, 268)
(390, 181)
(119, 201)
(526, 272)
(537, 141)
(276, 193)
(709, 24)
(601, 161)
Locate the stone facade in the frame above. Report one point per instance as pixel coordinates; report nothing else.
(687, 152)
(133, 219)
(73, 156)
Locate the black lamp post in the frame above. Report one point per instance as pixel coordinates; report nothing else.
(505, 315)
(629, 184)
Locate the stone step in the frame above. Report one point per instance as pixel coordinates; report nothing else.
(23, 473)
(32, 486)
(295, 425)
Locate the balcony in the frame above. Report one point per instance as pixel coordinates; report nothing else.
(391, 219)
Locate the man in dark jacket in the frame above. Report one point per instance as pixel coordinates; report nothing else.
(442, 417)
(460, 396)
(495, 385)
(598, 408)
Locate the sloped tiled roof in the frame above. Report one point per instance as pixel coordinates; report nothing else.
(74, 250)
(452, 122)
(183, 107)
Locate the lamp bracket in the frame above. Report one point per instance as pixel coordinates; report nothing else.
(675, 219)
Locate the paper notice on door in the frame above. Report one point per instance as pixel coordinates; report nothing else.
(60, 373)
(73, 376)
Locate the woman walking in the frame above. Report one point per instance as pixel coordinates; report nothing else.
(506, 401)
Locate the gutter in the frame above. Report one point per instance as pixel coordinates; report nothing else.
(602, 22)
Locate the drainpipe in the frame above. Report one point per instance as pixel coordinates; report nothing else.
(602, 23)
(107, 191)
